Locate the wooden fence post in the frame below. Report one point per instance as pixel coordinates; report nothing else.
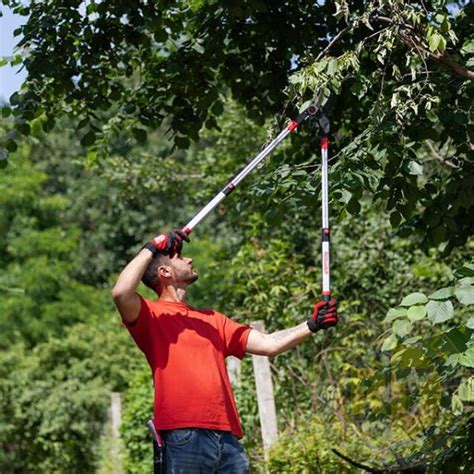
(115, 420)
(266, 401)
(233, 369)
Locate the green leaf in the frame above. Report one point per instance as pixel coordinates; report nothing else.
(465, 294)
(15, 98)
(442, 44)
(341, 9)
(467, 358)
(353, 206)
(88, 139)
(466, 390)
(182, 142)
(161, 35)
(468, 47)
(140, 135)
(395, 219)
(37, 125)
(402, 327)
(83, 123)
(467, 270)
(456, 405)
(11, 146)
(452, 360)
(412, 340)
(217, 108)
(394, 313)
(415, 168)
(439, 311)
(17, 59)
(411, 357)
(332, 66)
(389, 343)
(442, 294)
(434, 41)
(91, 8)
(414, 298)
(454, 341)
(416, 313)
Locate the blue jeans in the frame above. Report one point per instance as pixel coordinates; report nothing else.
(194, 450)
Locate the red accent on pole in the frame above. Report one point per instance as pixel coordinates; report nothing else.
(231, 186)
(293, 125)
(326, 231)
(186, 230)
(325, 143)
(326, 293)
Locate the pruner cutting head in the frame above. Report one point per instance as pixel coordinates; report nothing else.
(317, 113)
(314, 108)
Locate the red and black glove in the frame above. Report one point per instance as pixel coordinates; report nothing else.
(324, 316)
(169, 243)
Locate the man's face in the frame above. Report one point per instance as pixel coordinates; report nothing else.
(183, 271)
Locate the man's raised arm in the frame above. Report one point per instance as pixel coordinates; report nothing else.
(124, 291)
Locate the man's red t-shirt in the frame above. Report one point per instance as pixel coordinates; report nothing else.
(186, 349)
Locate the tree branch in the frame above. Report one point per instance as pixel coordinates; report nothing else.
(446, 60)
(438, 157)
(329, 46)
(413, 40)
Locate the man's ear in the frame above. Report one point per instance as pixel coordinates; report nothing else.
(164, 271)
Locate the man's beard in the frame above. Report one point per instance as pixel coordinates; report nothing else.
(192, 278)
(188, 278)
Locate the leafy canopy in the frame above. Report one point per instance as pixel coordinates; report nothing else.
(401, 71)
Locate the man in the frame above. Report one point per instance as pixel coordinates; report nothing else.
(194, 407)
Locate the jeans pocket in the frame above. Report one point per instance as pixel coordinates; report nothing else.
(179, 437)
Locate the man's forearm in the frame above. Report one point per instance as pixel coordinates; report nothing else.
(132, 274)
(289, 338)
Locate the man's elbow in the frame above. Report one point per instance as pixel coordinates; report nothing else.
(118, 293)
(271, 348)
(274, 351)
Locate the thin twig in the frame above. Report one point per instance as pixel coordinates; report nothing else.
(438, 157)
(329, 46)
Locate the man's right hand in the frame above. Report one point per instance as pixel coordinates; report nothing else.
(169, 243)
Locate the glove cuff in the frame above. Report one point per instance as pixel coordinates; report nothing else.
(151, 247)
(313, 325)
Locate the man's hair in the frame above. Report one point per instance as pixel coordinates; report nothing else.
(150, 278)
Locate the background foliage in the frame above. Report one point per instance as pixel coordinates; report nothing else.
(135, 113)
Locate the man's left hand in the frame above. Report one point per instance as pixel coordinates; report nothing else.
(324, 316)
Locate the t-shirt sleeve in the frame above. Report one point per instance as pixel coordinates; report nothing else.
(235, 337)
(140, 328)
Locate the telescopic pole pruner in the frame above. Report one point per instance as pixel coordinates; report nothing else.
(313, 110)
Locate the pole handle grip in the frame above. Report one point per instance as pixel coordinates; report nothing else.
(326, 297)
(155, 435)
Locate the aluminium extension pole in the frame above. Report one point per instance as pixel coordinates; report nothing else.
(312, 110)
(325, 234)
(325, 237)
